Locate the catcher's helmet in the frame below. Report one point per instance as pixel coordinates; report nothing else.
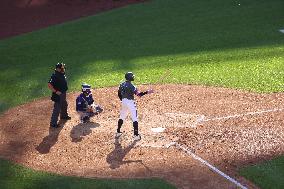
(129, 76)
(86, 88)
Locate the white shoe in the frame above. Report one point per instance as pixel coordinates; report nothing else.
(137, 137)
(117, 135)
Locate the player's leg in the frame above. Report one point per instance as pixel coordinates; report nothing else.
(84, 118)
(131, 106)
(55, 114)
(63, 107)
(133, 112)
(123, 114)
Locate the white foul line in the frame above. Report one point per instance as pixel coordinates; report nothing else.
(202, 119)
(199, 159)
(210, 166)
(245, 114)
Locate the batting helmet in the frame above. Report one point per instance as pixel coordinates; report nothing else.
(129, 76)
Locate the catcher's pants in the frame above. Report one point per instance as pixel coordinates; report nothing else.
(84, 114)
(128, 106)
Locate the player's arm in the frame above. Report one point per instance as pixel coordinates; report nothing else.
(51, 86)
(91, 100)
(140, 94)
(119, 93)
(80, 104)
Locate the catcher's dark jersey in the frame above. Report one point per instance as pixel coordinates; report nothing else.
(126, 90)
(83, 101)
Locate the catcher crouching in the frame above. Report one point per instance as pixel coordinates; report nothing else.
(85, 104)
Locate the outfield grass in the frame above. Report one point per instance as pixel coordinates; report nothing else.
(14, 176)
(216, 43)
(266, 175)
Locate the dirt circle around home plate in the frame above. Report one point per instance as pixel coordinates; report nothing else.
(227, 128)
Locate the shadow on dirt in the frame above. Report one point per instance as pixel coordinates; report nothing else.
(50, 140)
(83, 129)
(115, 158)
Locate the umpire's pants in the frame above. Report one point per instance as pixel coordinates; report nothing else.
(60, 107)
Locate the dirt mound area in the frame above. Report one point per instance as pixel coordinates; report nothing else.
(22, 16)
(228, 128)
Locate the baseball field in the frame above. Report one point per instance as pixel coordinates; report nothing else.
(215, 119)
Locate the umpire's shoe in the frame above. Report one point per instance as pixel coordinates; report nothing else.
(66, 118)
(54, 125)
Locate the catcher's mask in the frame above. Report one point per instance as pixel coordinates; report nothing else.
(60, 66)
(129, 76)
(86, 89)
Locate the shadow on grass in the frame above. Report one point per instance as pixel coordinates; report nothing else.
(13, 176)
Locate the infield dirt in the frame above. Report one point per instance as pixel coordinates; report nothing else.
(91, 150)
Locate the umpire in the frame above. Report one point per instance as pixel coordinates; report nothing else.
(58, 85)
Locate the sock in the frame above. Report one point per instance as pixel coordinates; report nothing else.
(119, 124)
(135, 125)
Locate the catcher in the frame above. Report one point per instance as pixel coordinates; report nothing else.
(85, 105)
(126, 94)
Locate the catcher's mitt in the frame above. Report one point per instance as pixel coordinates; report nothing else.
(98, 109)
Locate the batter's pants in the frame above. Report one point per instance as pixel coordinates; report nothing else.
(128, 106)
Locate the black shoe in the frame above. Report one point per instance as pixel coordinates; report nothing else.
(137, 137)
(66, 118)
(54, 125)
(118, 134)
(86, 119)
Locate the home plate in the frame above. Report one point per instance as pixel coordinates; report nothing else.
(158, 129)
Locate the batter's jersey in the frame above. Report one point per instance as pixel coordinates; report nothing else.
(127, 90)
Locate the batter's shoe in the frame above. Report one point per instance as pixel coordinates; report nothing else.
(137, 137)
(118, 134)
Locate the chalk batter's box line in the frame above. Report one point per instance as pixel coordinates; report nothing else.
(202, 118)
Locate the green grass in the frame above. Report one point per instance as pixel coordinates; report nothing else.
(14, 176)
(216, 43)
(266, 175)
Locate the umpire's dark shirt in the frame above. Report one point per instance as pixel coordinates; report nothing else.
(58, 81)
